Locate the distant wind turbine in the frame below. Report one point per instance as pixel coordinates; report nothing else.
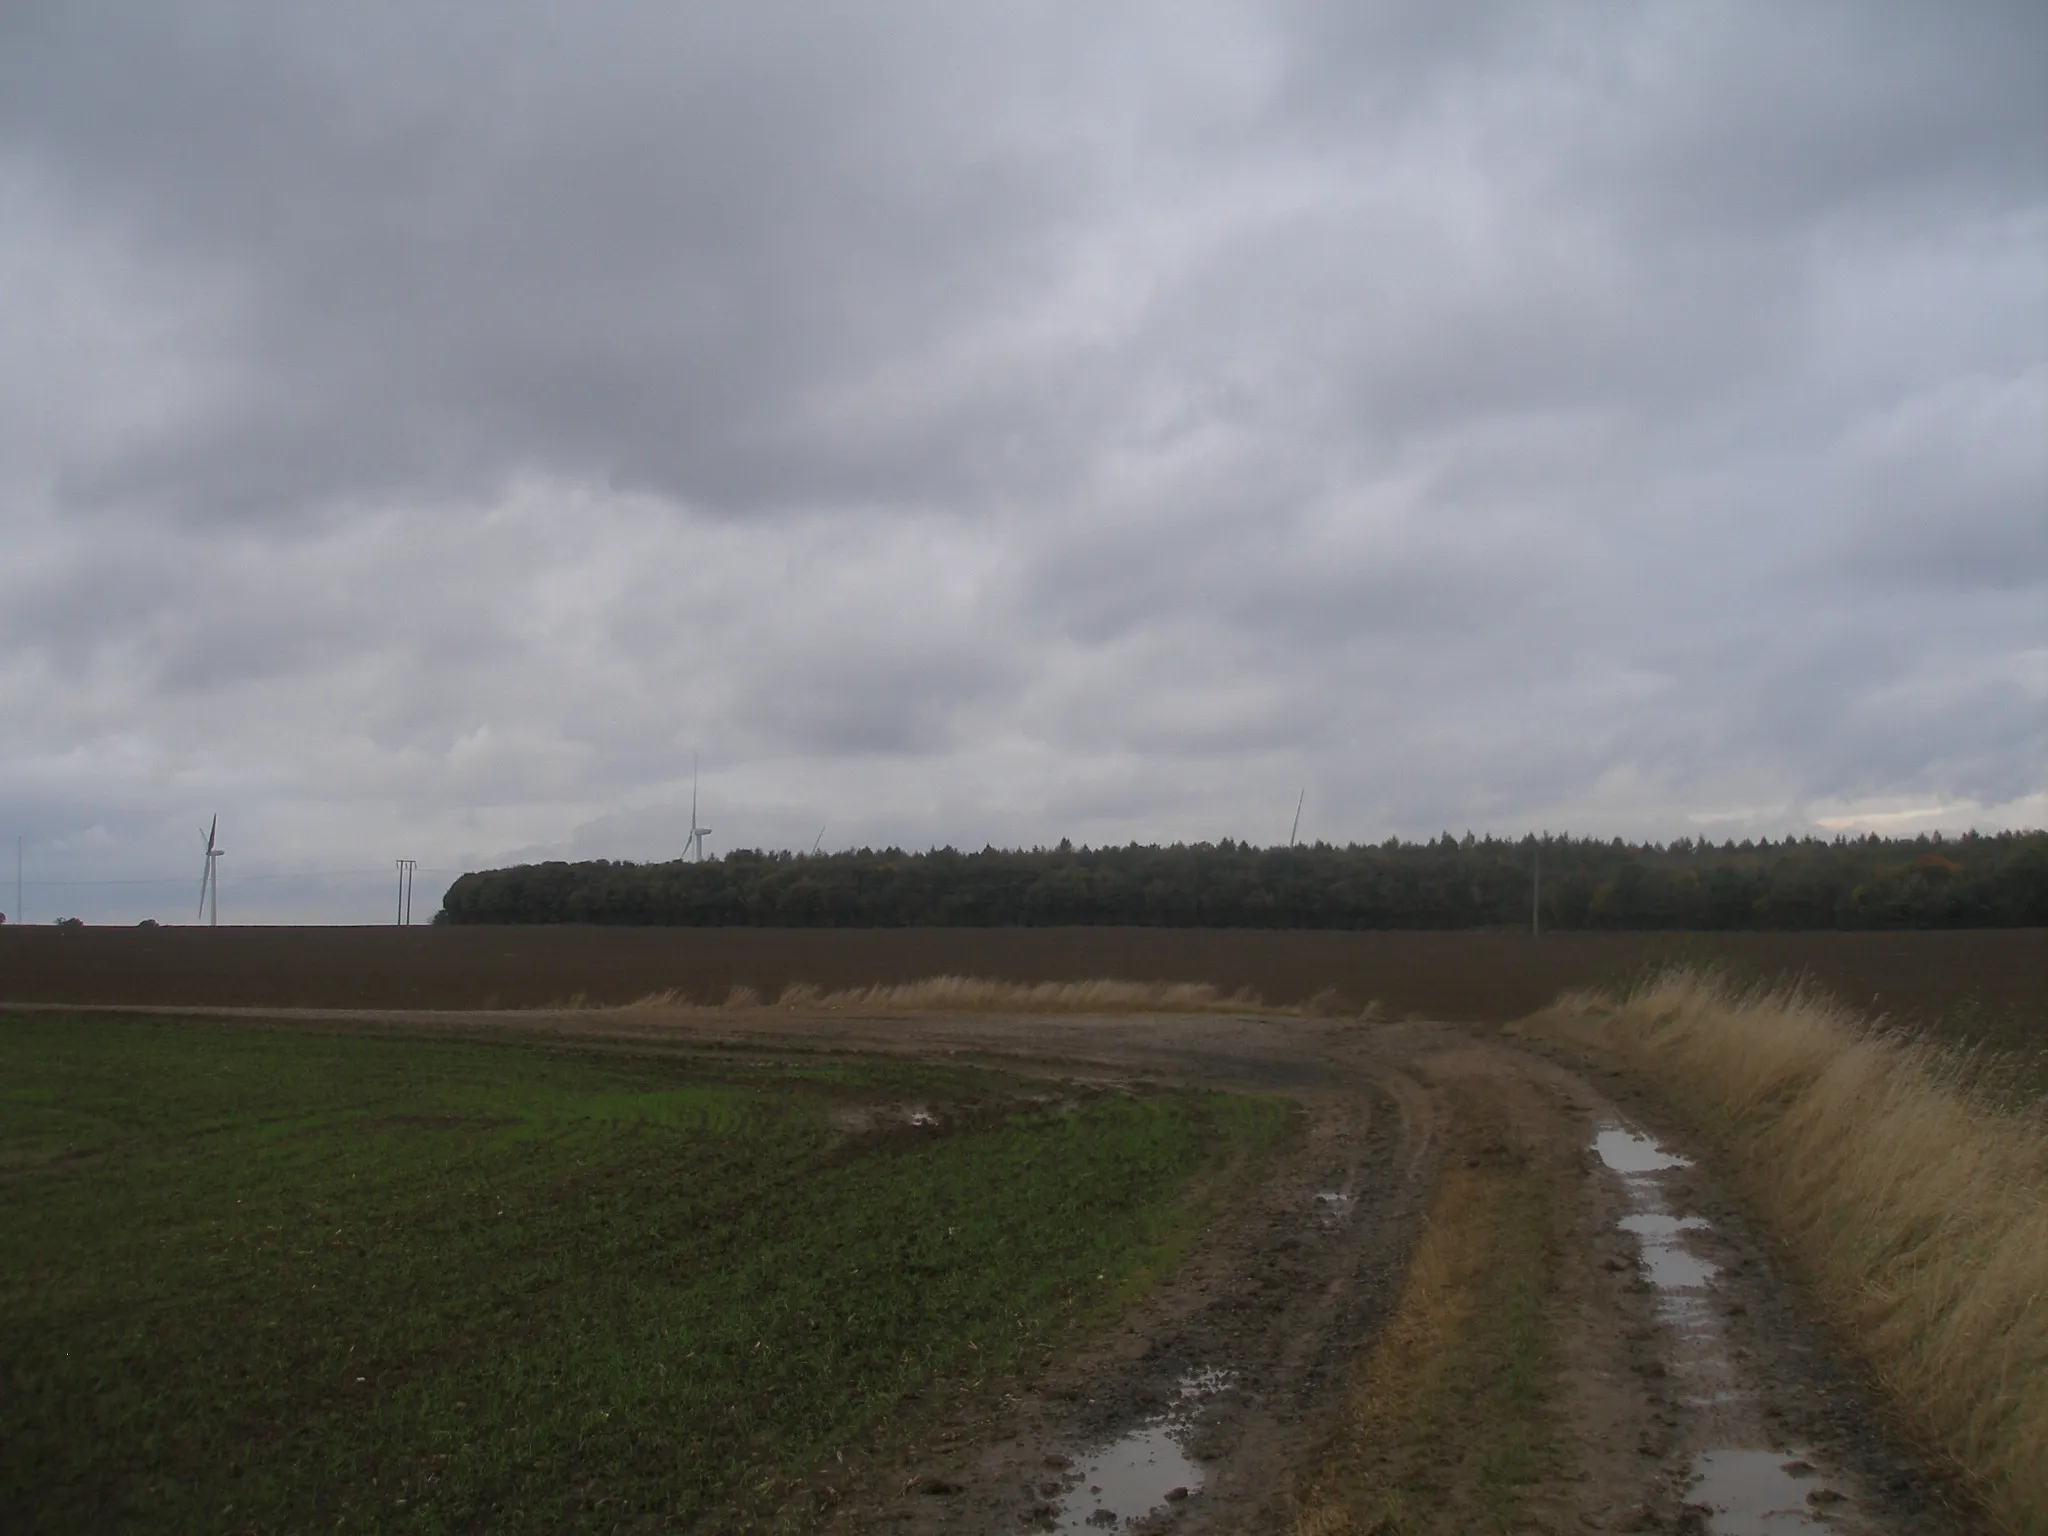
(820, 838)
(1295, 830)
(209, 881)
(693, 847)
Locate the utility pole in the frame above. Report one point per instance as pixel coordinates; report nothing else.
(405, 869)
(19, 915)
(1536, 895)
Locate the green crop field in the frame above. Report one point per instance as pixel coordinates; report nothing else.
(270, 1279)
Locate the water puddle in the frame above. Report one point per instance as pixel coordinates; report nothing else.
(1129, 1480)
(1702, 1364)
(1742, 1492)
(1660, 1244)
(1144, 1472)
(1679, 1275)
(1627, 1152)
(1758, 1493)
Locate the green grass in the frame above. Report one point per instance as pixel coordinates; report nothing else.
(270, 1280)
(1513, 1341)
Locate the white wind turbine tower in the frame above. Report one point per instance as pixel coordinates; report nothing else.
(209, 882)
(693, 847)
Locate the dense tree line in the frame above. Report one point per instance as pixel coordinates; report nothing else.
(1871, 882)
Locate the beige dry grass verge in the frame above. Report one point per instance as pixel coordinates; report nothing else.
(1917, 1204)
(975, 994)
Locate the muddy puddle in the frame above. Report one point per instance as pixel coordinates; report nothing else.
(1680, 1275)
(865, 1119)
(1144, 1475)
(1630, 1152)
(1754, 1493)
(1670, 1265)
(1739, 1483)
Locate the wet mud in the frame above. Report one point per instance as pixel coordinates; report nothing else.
(1139, 1477)
(1741, 1482)
(1747, 1419)
(1698, 1392)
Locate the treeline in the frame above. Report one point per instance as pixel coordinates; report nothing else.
(1801, 883)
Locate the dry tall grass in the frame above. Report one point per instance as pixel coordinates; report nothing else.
(976, 994)
(1917, 1205)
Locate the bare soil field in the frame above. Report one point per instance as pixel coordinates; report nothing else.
(1459, 1301)
(1471, 976)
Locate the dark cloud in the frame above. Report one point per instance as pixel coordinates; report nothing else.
(657, 251)
(435, 426)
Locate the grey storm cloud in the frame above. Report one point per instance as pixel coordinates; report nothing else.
(426, 429)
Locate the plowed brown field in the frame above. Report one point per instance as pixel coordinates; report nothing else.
(1454, 976)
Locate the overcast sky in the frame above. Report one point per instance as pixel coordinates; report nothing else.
(426, 428)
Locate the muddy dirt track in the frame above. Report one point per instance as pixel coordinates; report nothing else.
(1692, 1379)
(1470, 976)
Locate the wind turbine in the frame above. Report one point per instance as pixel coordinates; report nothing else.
(209, 882)
(693, 847)
(820, 838)
(1301, 800)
